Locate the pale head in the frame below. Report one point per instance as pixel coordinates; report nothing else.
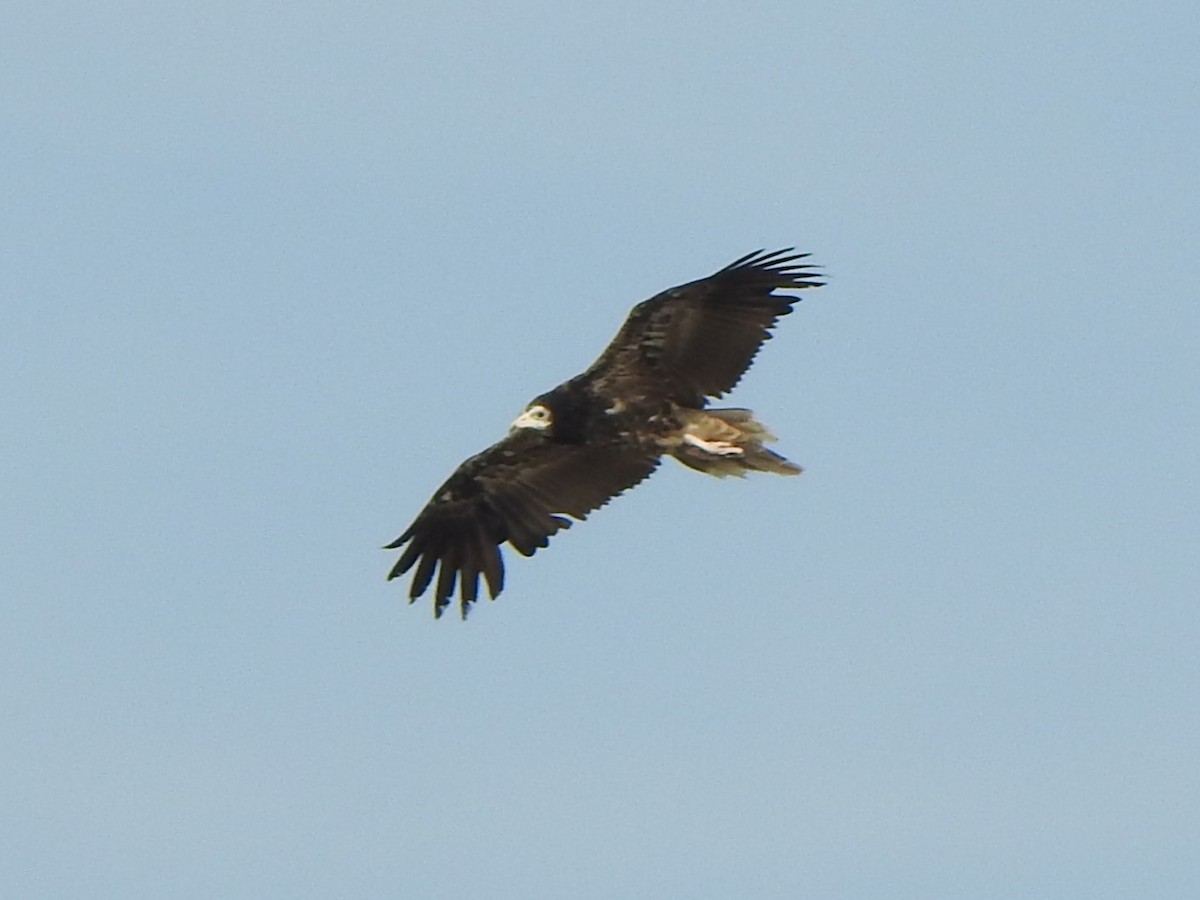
(537, 417)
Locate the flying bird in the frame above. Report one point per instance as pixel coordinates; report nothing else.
(591, 438)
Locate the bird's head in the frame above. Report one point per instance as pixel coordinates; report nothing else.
(537, 416)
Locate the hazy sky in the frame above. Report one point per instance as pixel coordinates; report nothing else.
(270, 272)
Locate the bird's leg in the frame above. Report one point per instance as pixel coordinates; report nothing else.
(717, 448)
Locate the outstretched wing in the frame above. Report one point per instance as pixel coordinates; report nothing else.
(516, 491)
(698, 339)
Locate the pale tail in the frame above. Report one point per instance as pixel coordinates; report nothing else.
(725, 442)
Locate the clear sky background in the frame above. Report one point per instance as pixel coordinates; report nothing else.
(271, 271)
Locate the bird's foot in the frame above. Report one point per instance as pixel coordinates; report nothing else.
(717, 448)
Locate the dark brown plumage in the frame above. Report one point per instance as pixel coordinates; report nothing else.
(599, 434)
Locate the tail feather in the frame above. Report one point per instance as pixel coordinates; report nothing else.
(724, 442)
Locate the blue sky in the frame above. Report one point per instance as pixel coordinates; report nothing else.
(270, 273)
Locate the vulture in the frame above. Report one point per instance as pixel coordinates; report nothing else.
(595, 436)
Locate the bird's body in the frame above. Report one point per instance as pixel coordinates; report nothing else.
(602, 432)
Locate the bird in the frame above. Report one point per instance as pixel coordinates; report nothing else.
(574, 448)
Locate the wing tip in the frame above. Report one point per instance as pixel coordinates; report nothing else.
(781, 265)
